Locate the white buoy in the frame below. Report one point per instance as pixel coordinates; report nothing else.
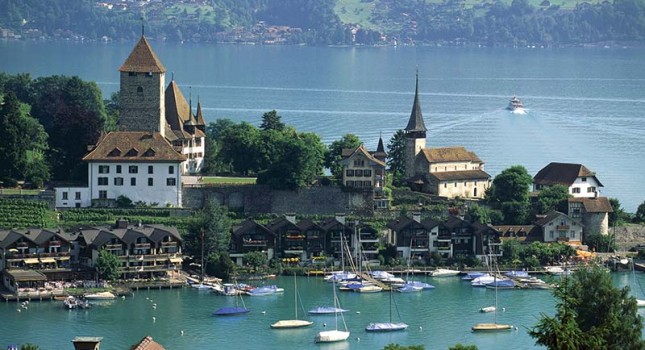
(123, 297)
(147, 298)
(154, 319)
(264, 312)
(324, 324)
(503, 309)
(420, 328)
(358, 312)
(19, 310)
(358, 339)
(182, 333)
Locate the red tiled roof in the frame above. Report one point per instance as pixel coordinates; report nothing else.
(594, 205)
(461, 175)
(449, 154)
(347, 153)
(147, 344)
(142, 59)
(562, 173)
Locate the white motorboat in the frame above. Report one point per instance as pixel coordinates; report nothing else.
(444, 273)
(100, 296)
(325, 310)
(515, 105)
(70, 302)
(334, 335)
(488, 309)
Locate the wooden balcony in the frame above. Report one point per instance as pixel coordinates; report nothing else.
(562, 227)
(54, 243)
(142, 246)
(113, 246)
(255, 243)
(168, 245)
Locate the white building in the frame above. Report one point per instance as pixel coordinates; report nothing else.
(558, 227)
(582, 182)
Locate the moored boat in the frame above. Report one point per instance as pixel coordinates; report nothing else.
(70, 302)
(100, 296)
(491, 327)
(515, 104)
(444, 273)
(294, 323)
(325, 310)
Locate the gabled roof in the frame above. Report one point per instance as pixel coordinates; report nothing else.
(249, 224)
(159, 232)
(449, 154)
(594, 205)
(96, 237)
(460, 175)
(331, 223)
(415, 123)
(563, 173)
(147, 344)
(8, 237)
(143, 59)
(281, 223)
(139, 141)
(403, 222)
(307, 224)
(552, 215)
(349, 153)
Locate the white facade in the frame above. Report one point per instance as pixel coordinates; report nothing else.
(72, 197)
(194, 150)
(562, 228)
(449, 166)
(150, 182)
(463, 188)
(585, 187)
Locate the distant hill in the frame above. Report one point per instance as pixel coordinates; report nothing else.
(337, 22)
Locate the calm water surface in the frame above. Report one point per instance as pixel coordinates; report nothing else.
(585, 105)
(438, 318)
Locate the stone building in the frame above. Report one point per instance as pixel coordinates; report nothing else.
(449, 172)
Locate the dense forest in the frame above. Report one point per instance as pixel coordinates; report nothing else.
(334, 22)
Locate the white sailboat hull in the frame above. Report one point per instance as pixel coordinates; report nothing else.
(386, 327)
(491, 327)
(291, 324)
(331, 336)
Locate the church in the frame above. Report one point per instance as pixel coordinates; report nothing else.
(450, 172)
(158, 140)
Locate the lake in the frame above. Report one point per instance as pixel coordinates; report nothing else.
(584, 105)
(437, 318)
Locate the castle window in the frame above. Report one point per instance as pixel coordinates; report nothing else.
(64, 196)
(133, 181)
(133, 169)
(171, 169)
(140, 92)
(171, 181)
(358, 172)
(102, 194)
(118, 169)
(349, 172)
(103, 181)
(77, 195)
(584, 179)
(575, 190)
(118, 181)
(367, 173)
(150, 169)
(132, 153)
(150, 182)
(114, 153)
(149, 153)
(104, 169)
(591, 189)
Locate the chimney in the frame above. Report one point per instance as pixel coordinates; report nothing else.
(121, 223)
(87, 343)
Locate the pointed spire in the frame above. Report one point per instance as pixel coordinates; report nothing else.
(380, 147)
(200, 116)
(416, 118)
(143, 59)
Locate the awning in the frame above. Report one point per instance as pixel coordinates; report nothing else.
(31, 261)
(62, 258)
(47, 260)
(176, 260)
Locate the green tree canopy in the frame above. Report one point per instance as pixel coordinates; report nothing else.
(590, 314)
(13, 146)
(210, 228)
(618, 216)
(396, 157)
(511, 185)
(272, 121)
(213, 162)
(108, 265)
(333, 157)
(255, 259)
(640, 213)
(552, 198)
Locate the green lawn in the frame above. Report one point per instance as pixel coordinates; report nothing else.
(229, 180)
(355, 11)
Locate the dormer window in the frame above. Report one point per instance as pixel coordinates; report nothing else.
(114, 153)
(132, 153)
(149, 153)
(583, 179)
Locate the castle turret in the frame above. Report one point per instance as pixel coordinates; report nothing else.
(415, 133)
(142, 91)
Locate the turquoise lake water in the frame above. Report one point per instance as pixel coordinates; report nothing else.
(438, 318)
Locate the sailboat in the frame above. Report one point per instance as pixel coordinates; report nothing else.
(387, 326)
(336, 334)
(295, 323)
(492, 327)
(233, 310)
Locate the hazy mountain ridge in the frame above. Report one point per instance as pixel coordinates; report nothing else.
(332, 22)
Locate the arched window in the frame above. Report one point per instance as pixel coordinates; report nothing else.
(140, 92)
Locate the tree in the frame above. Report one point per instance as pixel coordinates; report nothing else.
(552, 198)
(240, 148)
(396, 157)
(29, 346)
(601, 243)
(511, 185)
(333, 157)
(393, 346)
(13, 146)
(618, 216)
(460, 346)
(255, 259)
(271, 121)
(480, 214)
(639, 217)
(212, 228)
(591, 314)
(108, 265)
(213, 162)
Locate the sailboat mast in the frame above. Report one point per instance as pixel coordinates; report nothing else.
(202, 264)
(295, 294)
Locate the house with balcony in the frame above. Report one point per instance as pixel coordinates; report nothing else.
(368, 243)
(559, 227)
(144, 251)
(460, 237)
(291, 240)
(314, 238)
(581, 182)
(338, 236)
(35, 249)
(414, 239)
(251, 236)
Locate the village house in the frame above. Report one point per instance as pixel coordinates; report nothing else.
(558, 227)
(592, 212)
(450, 172)
(365, 171)
(581, 182)
(251, 236)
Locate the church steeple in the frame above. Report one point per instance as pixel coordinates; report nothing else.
(415, 123)
(200, 116)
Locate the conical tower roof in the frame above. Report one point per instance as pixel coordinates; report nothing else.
(416, 118)
(200, 116)
(380, 148)
(142, 59)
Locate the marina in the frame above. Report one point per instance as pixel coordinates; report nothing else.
(438, 318)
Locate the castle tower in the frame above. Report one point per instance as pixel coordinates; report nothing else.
(142, 91)
(415, 133)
